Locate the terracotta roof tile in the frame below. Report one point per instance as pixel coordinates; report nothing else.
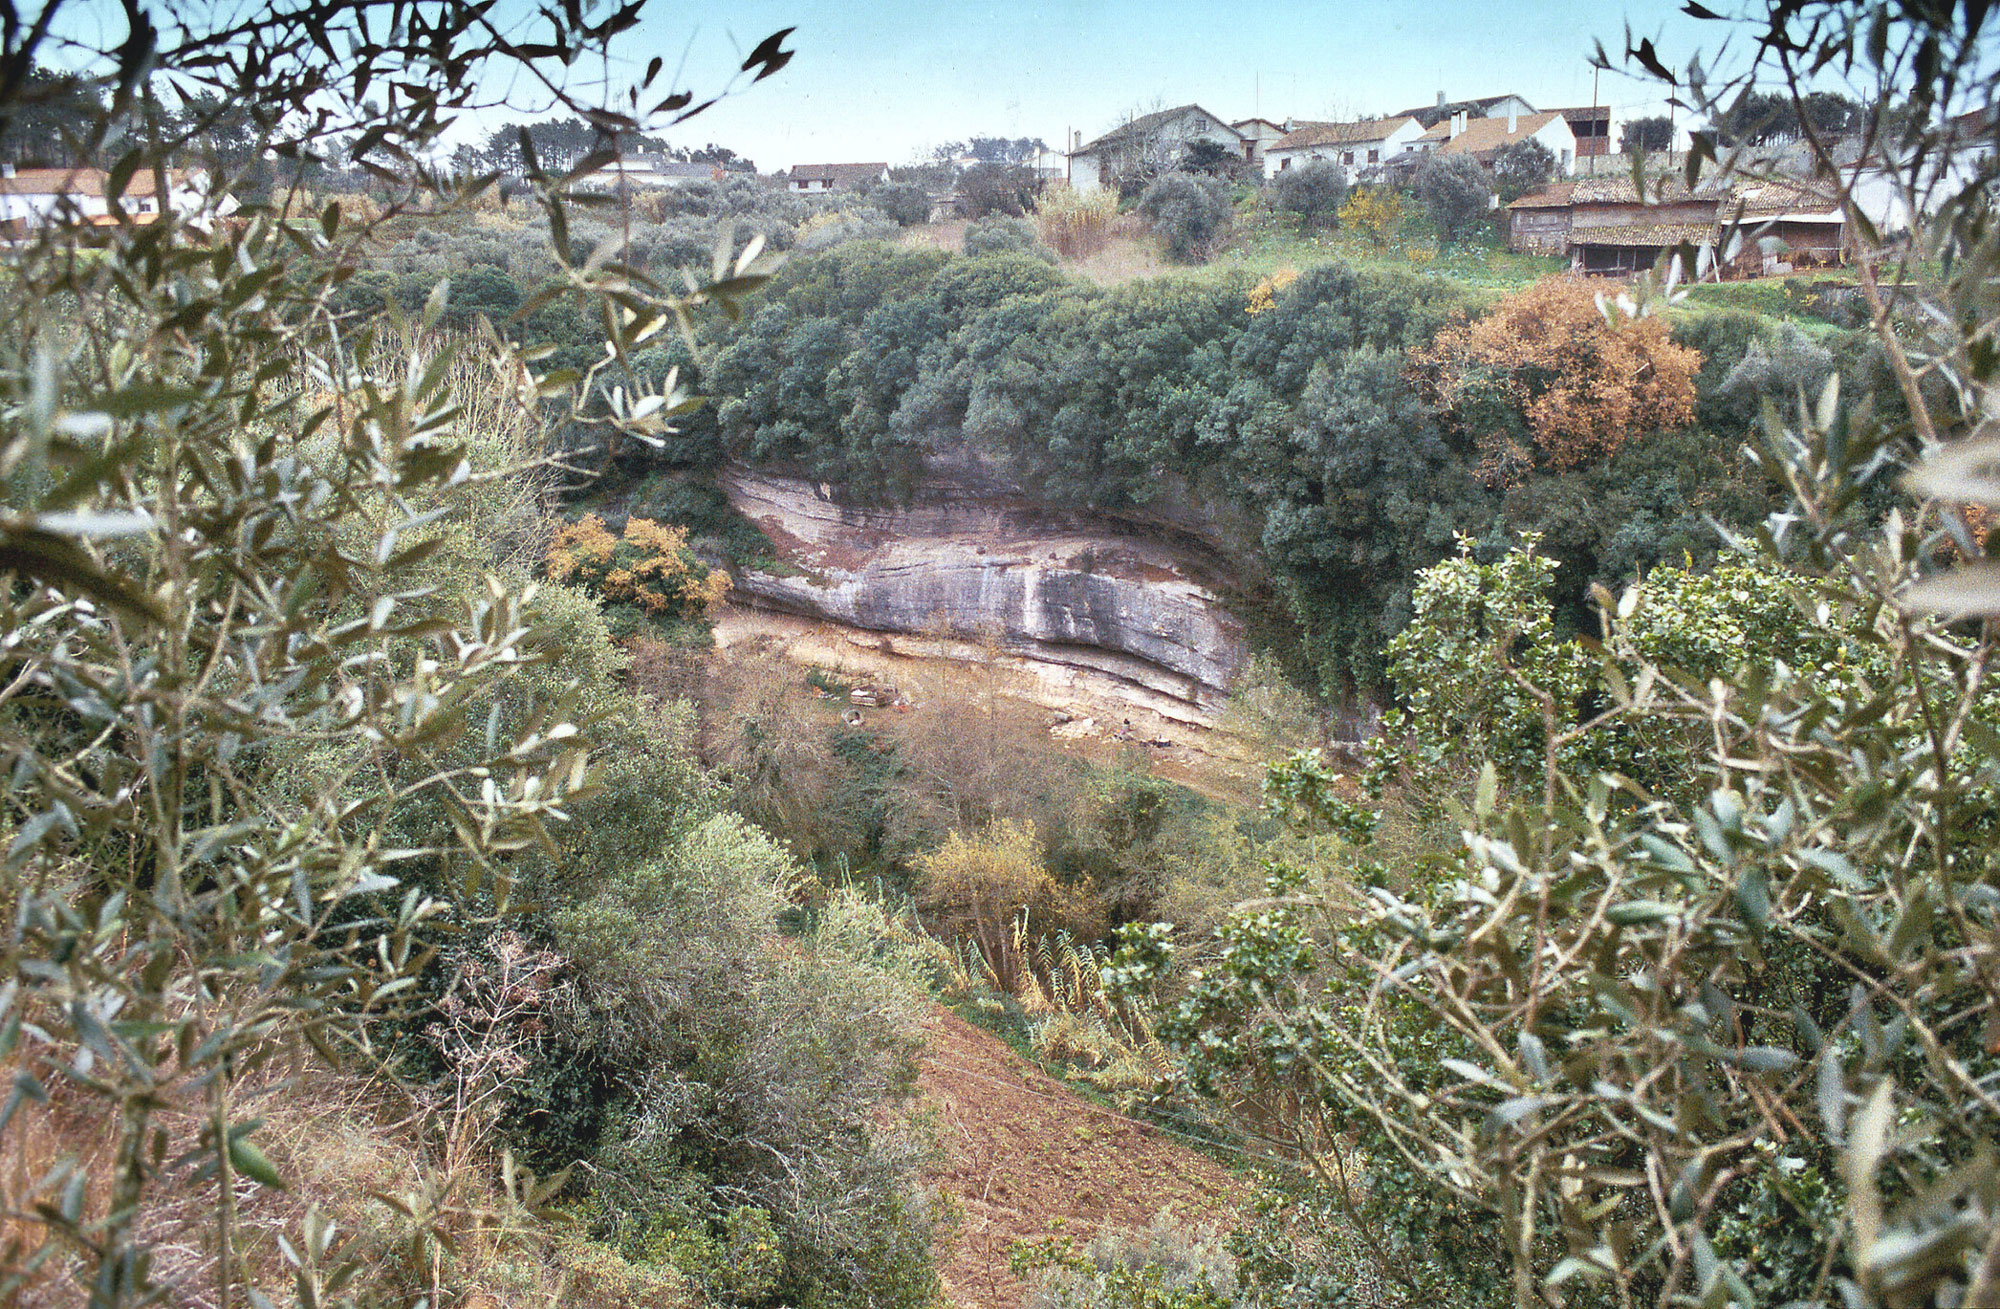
(1360, 133)
(1549, 197)
(1484, 134)
(74, 181)
(1644, 234)
(1482, 104)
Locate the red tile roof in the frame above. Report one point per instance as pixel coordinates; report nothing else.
(1309, 134)
(75, 181)
(1486, 134)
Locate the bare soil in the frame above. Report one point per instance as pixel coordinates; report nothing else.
(1026, 1158)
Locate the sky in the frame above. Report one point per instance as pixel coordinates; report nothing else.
(888, 81)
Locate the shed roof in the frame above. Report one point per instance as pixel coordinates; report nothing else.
(1793, 201)
(1549, 197)
(1619, 190)
(1658, 235)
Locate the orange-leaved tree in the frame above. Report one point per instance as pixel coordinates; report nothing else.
(1550, 379)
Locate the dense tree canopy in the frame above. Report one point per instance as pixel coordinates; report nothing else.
(1522, 167)
(1315, 192)
(1652, 134)
(1454, 193)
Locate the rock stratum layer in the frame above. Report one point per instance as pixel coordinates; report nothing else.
(1089, 604)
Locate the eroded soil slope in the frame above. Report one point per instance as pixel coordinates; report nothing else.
(1027, 1158)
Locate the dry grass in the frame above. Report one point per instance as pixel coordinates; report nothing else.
(362, 1152)
(1130, 252)
(948, 235)
(334, 1137)
(1073, 224)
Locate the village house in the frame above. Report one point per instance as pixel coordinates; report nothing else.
(818, 178)
(35, 198)
(1607, 228)
(1591, 126)
(1149, 145)
(1780, 227)
(1492, 106)
(1048, 164)
(1259, 135)
(1485, 138)
(1353, 147)
(1874, 171)
(1538, 224)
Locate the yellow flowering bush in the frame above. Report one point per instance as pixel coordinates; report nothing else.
(648, 569)
(1374, 212)
(1265, 293)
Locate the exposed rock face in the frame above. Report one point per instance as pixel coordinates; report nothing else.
(969, 561)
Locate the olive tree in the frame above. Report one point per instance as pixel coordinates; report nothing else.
(1454, 193)
(1191, 213)
(1725, 1037)
(220, 500)
(1315, 192)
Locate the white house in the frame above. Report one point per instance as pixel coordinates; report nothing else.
(1050, 164)
(1148, 145)
(1492, 106)
(1259, 135)
(1354, 147)
(1483, 138)
(32, 198)
(834, 177)
(1881, 180)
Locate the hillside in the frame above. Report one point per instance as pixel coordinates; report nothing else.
(1026, 1158)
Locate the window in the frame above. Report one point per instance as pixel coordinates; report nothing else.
(1374, 156)
(1284, 163)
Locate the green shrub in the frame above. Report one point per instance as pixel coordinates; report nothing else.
(1004, 235)
(1314, 193)
(906, 203)
(1191, 212)
(1454, 192)
(1163, 1267)
(760, 1074)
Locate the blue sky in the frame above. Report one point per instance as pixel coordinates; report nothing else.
(891, 79)
(887, 80)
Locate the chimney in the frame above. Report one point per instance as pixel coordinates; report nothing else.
(1513, 118)
(1440, 99)
(6, 170)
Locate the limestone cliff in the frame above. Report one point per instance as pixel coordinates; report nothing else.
(1131, 609)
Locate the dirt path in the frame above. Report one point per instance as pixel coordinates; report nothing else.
(1027, 1158)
